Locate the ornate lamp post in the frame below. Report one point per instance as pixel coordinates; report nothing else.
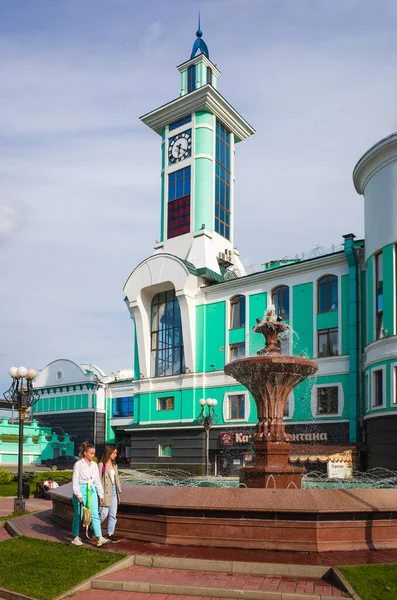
(207, 418)
(21, 396)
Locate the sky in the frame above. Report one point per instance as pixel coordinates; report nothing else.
(80, 174)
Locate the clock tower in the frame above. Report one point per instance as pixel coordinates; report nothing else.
(199, 130)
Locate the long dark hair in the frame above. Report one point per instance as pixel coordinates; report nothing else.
(84, 447)
(109, 449)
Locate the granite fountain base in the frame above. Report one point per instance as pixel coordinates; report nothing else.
(269, 519)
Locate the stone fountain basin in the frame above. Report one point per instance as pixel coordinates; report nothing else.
(269, 519)
(260, 368)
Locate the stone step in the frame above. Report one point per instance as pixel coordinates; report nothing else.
(216, 584)
(112, 595)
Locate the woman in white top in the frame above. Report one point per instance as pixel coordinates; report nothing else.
(112, 489)
(87, 487)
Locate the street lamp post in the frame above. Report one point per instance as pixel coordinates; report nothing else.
(21, 396)
(207, 418)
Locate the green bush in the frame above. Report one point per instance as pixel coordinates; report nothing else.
(27, 476)
(6, 476)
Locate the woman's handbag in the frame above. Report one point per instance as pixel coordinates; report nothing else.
(86, 515)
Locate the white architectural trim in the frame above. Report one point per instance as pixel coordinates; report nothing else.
(204, 98)
(313, 402)
(373, 387)
(380, 350)
(226, 404)
(393, 379)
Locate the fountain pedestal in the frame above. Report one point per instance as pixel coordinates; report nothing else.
(271, 469)
(271, 377)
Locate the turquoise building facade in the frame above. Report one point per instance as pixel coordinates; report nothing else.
(193, 306)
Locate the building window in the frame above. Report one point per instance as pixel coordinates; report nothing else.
(222, 181)
(191, 78)
(394, 380)
(165, 403)
(123, 407)
(178, 221)
(327, 400)
(327, 294)
(179, 123)
(327, 342)
(236, 410)
(287, 408)
(367, 391)
(167, 352)
(165, 451)
(237, 351)
(237, 312)
(209, 75)
(379, 294)
(280, 299)
(377, 387)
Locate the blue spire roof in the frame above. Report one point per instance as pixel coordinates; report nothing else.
(199, 44)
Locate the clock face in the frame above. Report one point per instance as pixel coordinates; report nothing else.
(179, 146)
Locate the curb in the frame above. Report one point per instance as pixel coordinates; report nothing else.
(223, 566)
(346, 584)
(124, 563)
(7, 595)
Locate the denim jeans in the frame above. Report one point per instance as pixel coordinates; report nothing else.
(96, 525)
(110, 511)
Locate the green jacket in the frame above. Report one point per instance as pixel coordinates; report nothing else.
(107, 484)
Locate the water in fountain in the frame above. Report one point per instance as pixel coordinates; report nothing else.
(374, 478)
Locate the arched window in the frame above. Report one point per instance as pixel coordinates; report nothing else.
(327, 294)
(237, 312)
(167, 355)
(280, 299)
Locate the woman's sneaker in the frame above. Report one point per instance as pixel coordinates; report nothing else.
(102, 541)
(77, 541)
(112, 538)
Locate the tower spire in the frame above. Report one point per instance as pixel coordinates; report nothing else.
(199, 44)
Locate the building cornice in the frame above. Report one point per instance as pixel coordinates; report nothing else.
(205, 98)
(378, 156)
(196, 60)
(330, 260)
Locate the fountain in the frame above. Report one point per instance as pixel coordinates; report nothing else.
(266, 515)
(270, 377)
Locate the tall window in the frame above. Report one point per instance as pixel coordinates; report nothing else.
(236, 407)
(327, 400)
(280, 299)
(237, 312)
(222, 181)
(209, 75)
(237, 351)
(327, 294)
(178, 202)
(191, 78)
(166, 336)
(377, 387)
(328, 342)
(394, 376)
(123, 407)
(379, 294)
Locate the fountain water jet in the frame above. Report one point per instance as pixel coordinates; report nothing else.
(270, 377)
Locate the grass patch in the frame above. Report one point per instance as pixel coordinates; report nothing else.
(373, 582)
(11, 489)
(13, 516)
(44, 569)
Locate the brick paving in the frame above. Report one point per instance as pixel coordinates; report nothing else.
(233, 581)
(113, 595)
(32, 505)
